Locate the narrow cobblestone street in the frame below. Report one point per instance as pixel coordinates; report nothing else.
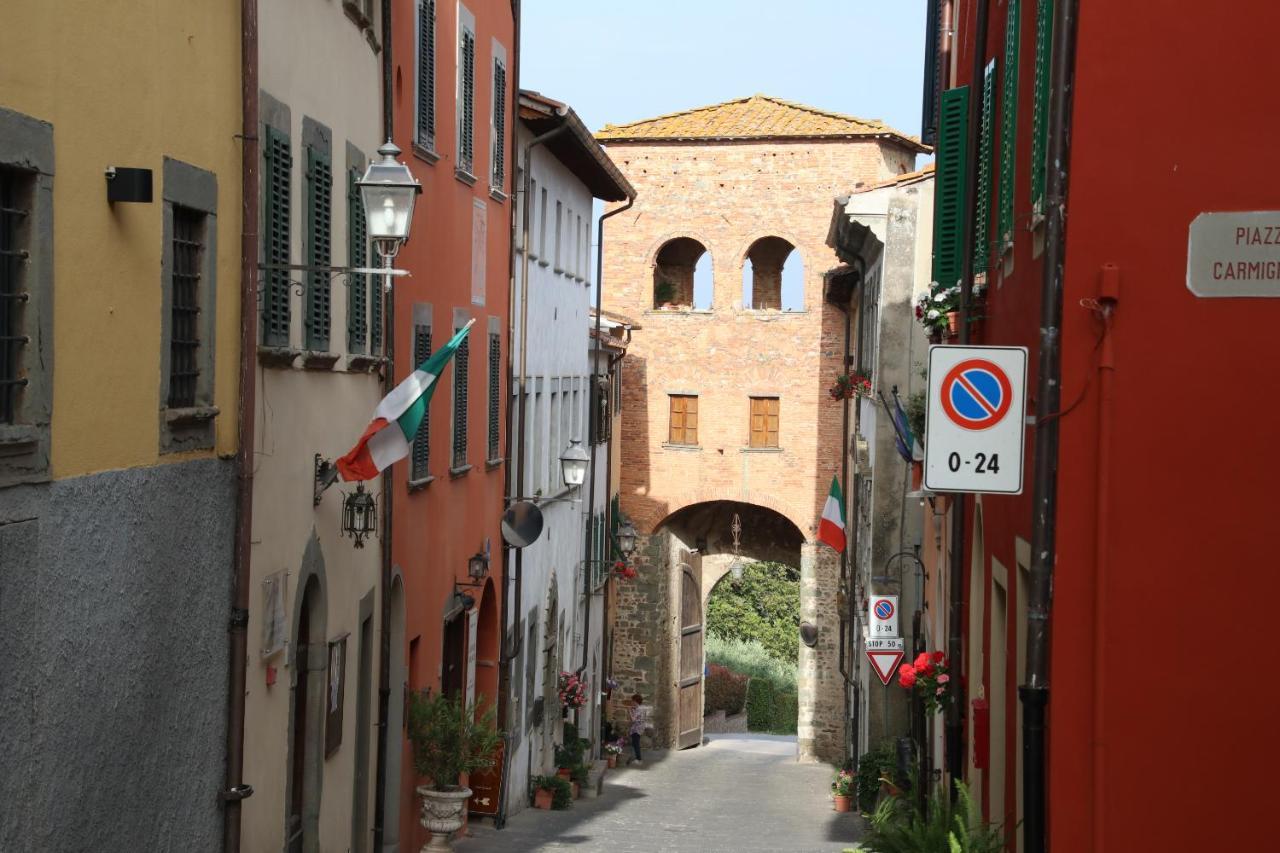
(742, 793)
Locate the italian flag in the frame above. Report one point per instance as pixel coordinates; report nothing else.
(831, 527)
(397, 418)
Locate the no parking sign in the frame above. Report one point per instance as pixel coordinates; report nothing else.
(975, 422)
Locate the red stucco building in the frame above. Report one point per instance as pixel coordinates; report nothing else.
(1160, 703)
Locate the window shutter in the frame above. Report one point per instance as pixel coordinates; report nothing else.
(466, 132)
(949, 203)
(277, 189)
(499, 124)
(982, 206)
(461, 358)
(1040, 111)
(676, 432)
(690, 420)
(357, 256)
(1009, 126)
(184, 319)
(319, 227)
(771, 422)
(427, 74)
(421, 452)
(495, 382)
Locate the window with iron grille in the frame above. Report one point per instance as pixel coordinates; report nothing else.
(184, 282)
(764, 421)
(466, 99)
(461, 361)
(357, 256)
(421, 457)
(684, 419)
(319, 248)
(426, 117)
(499, 173)
(276, 194)
(13, 297)
(495, 388)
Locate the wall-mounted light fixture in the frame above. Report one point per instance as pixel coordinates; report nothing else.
(132, 185)
(359, 515)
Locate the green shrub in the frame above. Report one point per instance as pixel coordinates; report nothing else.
(725, 690)
(870, 766)
(770, 709)
(561, 791)
(764, 606)
(450, 738)
(898, 826)
(749, 657)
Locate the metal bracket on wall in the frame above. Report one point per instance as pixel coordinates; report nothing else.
(326, 476)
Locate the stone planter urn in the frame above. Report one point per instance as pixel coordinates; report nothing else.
(442, 814)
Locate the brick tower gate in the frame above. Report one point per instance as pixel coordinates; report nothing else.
(724, 387)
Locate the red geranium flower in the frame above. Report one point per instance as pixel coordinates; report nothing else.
(922, 660)
(938, 657)
(907, 676)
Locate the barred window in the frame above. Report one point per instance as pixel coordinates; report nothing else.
(426, 106)
(277, 213)
(499, 173)
(14, 213)
(495, 387)
(319, 248)
(184, 340)
(466, 97)
(357, 256)
(422, 440)
(461, 362)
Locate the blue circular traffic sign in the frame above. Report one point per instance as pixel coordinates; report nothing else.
(976, 394)
(884, 609)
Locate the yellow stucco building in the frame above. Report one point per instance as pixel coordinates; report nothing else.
(119, 327)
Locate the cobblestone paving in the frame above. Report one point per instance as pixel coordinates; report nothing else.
(740, 793)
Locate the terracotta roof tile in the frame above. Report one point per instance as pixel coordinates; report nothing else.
(757, 117)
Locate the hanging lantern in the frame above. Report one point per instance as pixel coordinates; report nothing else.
(359, 515)
(627, 539)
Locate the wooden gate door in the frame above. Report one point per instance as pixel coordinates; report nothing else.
(690, 650)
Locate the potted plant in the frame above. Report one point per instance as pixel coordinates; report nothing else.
(449, 739)
(842, 790)
(573, 692)
(928, 677)
(578, 777)
(551, 792)
(937, 310)
(611, 753)
(848, 387)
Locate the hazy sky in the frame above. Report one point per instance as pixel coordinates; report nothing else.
(618, 62)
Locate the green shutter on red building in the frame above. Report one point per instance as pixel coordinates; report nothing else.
(1009, 126)
(950, 197)
(982, 206)
(1040, 112)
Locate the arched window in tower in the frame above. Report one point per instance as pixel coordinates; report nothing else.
(682, 274)
(773, 276)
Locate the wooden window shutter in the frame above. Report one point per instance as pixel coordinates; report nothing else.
(684, 419)
(319, 250)
(1040, 111)
(466, 130)
(764, 422)
(427, 74)
(690, 420)
(495, 384)
(357, 256)
(421, 454)
(949, 201)
(461, 361)
(1009, 126)
(982, 206)
(277, 194)
(499, 124)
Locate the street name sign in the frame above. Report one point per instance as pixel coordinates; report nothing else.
(885, 654)
(1234, 254)
(882, 616)
(975, 419)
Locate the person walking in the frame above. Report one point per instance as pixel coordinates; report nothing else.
(639, 722)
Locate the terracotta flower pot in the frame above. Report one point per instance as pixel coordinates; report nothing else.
(917, 475)
(953, 322)
(844, 804)
(613, 761)
(542, 799)
(577, 789)
(565, 773)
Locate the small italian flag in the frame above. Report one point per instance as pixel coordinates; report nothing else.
(831, 527)
(397, 418)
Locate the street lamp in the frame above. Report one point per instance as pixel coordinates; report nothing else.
(573, 463)
(736, 567)
(477, 566)
(388, 190)
(627, 539)
(359, 515)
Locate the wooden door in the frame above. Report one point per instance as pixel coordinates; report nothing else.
(690, 696)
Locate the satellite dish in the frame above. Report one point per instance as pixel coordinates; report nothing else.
(521, 524)
(809, 634)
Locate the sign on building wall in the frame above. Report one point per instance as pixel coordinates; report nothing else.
(479, 248)
(336, 687)
(976, 419)
(1234, 254)
(273, 626)
(882, 616)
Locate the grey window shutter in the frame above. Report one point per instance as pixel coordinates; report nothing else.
(357, 256)
(427, 74)
(421, 452)
(319, 249)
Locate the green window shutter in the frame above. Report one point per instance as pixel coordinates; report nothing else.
(376, 297)
(426, 118)
(1040, 112)
(357, 256)
(495, 383)
(276, 197)
(466, 128)
(319, 249)
(499, 124)
(982, 207)
(420, 455)
(949, 201)
(1009, 126)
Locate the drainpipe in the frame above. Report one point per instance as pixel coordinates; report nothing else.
(236, 790)
(1035, 693)
(384, 582)
(956, 538)
(847, 637)
(518, 439)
